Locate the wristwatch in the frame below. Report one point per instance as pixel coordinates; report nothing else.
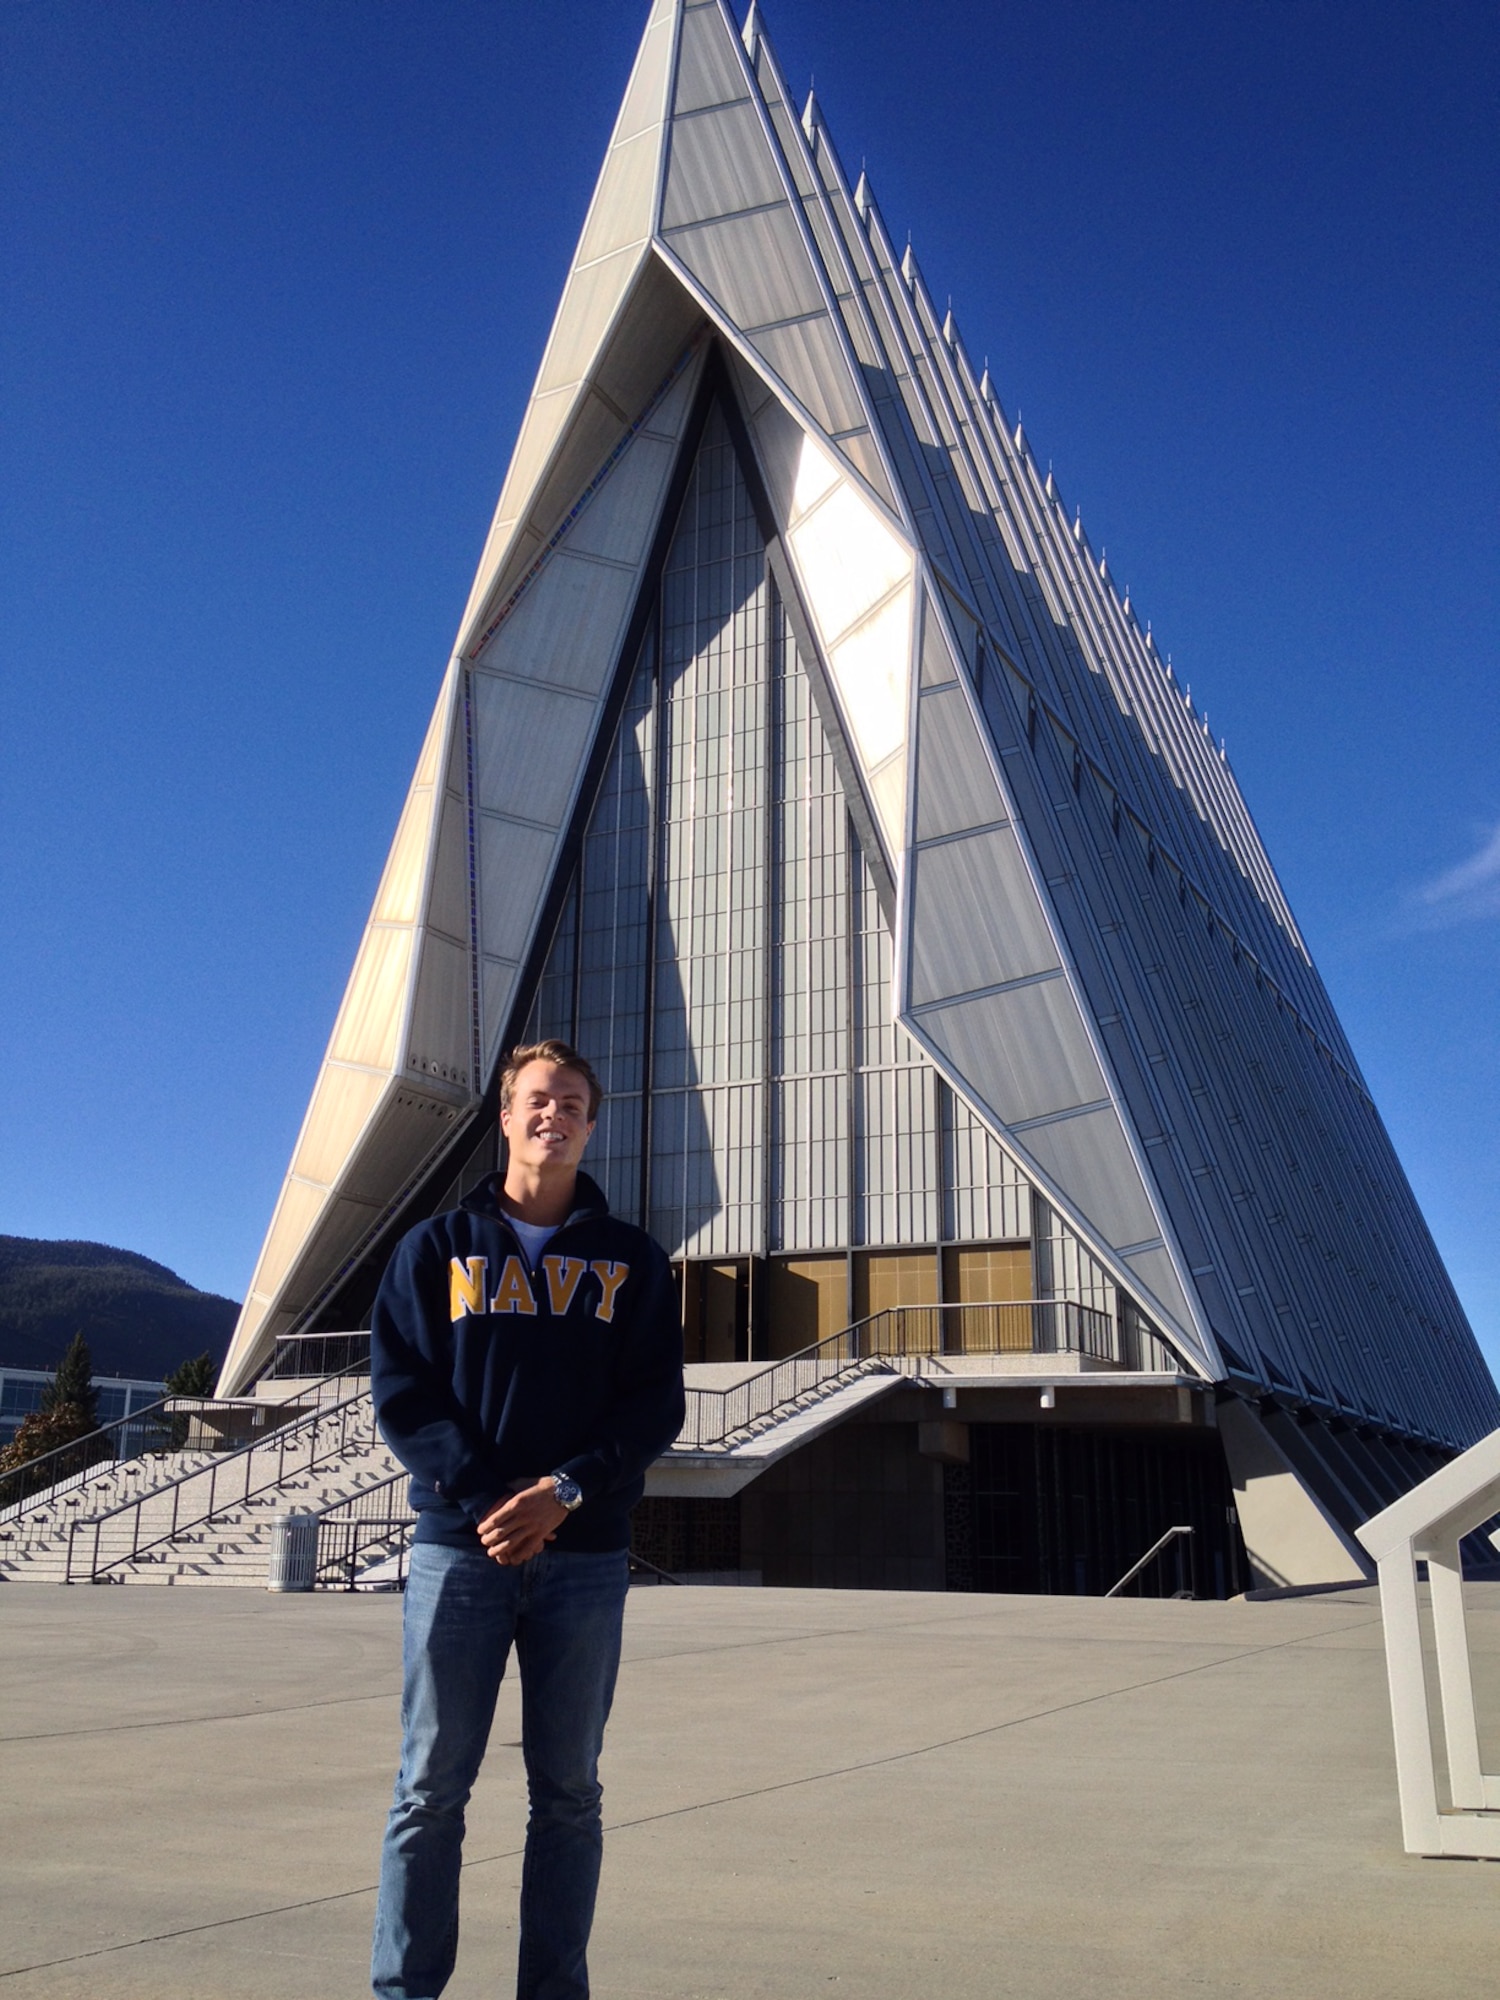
(566, 1492)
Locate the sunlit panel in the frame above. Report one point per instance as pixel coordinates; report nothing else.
(341, 1105)
(846, 557)
(817, 471)
(296, 1212)
(401, 885)
(872, 672)
(371, 1014)
(888, 794)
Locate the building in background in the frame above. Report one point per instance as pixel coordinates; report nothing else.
(799, 760)
(22, 1389)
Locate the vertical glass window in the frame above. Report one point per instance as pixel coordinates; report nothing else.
(722, 958)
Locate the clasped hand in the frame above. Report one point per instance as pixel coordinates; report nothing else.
(522, 1525)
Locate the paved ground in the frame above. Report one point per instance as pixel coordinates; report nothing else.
(877, 1795)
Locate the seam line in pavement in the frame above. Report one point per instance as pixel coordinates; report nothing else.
(705, 1805)
(192, 1721)
(640, 1660)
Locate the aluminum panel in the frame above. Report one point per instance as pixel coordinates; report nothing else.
(1024, 1052)
(514, 867)
(707, 1170)
(297, 1211)
(779, 442)
(410, 1125)
(897, 1156)
(646, 93)
(1159, 1281)
(340, 1110)
(939, 668)
(708, 63)
(338, 1233)
(816, 472)
(440, 1033)
(667, 419)
(370, 1018)
(432, 742)
(755, 266)
(588, 304)
(593, 431)
(847, 560)
(456, 775)
(871, 666)
(975, 919)
(721, 163)
(620, 519)
(621, 211)
(888, 796)
(497, 986)
(864, 454)
(1090, 1163)
(956, 787)
(809, 359)
(400, 891)
(447, 909)
(529, 742)
(659, 320)
(566, 629)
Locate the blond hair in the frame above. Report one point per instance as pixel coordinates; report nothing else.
(562, 1055)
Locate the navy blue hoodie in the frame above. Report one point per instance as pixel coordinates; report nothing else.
(486, 1371)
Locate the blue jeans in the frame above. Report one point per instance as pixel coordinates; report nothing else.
(463, 1610)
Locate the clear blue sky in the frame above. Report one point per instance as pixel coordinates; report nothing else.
(277, 276)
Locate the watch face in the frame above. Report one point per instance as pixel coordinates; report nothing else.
(567, 1491)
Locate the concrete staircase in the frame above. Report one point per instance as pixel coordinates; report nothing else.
(235, 1546)
(225, 1503)
(42, 1518)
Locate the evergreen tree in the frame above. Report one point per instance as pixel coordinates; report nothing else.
(193, 1378)
(72, 1387)
(42, 1432)
(189, 1378)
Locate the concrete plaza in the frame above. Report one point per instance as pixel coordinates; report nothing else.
(811, 1792)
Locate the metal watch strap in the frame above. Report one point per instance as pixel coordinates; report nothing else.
(566, 1490)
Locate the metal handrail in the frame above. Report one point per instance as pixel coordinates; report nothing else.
(39, 1476)
(161, 1428)
(995, 1326)
(355, 1413)
(352, 1348)
(639, 1562)
(1155, 1550)
(713, 1415)
(350, 1528)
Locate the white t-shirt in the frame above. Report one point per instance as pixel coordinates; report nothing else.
(535, 1236)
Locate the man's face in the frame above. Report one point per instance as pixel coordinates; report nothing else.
(547, 1123)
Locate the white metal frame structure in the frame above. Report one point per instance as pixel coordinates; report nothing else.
(1427, 1525)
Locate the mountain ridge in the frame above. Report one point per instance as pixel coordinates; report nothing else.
(139, 1317)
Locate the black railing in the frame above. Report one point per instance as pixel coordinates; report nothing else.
(716, 1414)
(900, 1333)
(230, 1481)
(300, 1356)
(379, 1518)
(144, 1432)
(995, 1326)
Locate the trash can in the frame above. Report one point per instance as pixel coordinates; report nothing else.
(294, 1552)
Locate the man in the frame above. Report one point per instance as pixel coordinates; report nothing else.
(526, 1362)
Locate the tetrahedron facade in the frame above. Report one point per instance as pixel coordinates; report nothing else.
(798, 758)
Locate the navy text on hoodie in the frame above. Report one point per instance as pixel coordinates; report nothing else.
(486, 1373)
